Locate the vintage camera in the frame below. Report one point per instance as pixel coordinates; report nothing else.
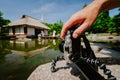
(70, 46)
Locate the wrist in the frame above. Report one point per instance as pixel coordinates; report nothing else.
(101, 4)
(109, 4)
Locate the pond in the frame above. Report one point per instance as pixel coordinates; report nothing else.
(19, 58)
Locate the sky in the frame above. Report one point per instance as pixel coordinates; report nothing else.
(49, 11)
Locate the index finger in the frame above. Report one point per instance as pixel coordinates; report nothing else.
(65, 28)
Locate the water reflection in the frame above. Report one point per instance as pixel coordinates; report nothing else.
(29, 45)
(54, 42)
(19, 58)
(26, 45)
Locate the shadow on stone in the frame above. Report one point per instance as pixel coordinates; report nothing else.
(109, 60)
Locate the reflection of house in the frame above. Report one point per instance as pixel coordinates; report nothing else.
(26, 26)
(27, 48)
(22, 44)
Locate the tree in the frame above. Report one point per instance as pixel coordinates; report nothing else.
(116, 20)
(2, 23)
(111, 28)
(1, 19)
(56, 26)
(101, 24)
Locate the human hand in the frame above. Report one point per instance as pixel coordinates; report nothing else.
(84, 17)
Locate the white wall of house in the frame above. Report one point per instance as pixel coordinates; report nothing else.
(19, 30)
(30, 31)
(10, 31)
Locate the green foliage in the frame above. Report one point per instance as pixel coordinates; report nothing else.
(116, 20)
(1, 19)
(111, 28)
(2, 23)
(56, 26)
(106, 24)
(101, 24)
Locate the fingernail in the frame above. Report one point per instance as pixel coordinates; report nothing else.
(75, 35)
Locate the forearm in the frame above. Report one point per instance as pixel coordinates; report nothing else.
(108, 4)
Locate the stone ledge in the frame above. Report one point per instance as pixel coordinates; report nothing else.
(43, 72)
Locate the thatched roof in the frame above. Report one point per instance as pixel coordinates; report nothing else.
(27, 20)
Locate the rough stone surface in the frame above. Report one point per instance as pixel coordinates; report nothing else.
(43, 73)
(96, 49)
(110, 57)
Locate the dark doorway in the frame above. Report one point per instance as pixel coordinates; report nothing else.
(37, 31)
(25, 30)
(13, 30)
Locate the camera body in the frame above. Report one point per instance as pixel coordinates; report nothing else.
(71, 46)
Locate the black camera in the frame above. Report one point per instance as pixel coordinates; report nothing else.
(82, 58)
(70, 46)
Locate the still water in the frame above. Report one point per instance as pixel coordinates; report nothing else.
(19, 58)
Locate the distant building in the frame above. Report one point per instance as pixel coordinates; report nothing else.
(27, 26)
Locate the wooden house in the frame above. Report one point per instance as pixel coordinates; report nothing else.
(27, 26)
